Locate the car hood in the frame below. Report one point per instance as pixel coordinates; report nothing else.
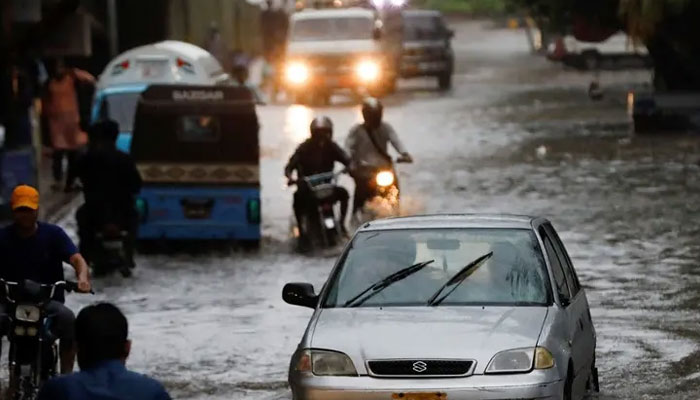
(427, 332)
(329, 47)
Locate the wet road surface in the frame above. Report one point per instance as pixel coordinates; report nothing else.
(515, 135)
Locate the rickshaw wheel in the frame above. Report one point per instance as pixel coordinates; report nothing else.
(250, 245)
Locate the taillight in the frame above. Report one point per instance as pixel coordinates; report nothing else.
(253, 211)
(142, 209)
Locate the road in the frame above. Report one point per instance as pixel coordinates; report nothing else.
(516, 134)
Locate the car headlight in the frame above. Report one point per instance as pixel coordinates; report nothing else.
(520, 360)
(367, 70)
(27, 313)
(385, 178)
(326, 363)
(297, 73)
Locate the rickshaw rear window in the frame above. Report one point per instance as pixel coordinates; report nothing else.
(198, 128)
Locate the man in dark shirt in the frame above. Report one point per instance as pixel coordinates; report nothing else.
(110, 183)
(35, 250)
(317, 155)
(101, 333)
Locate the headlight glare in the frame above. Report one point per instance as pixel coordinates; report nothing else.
(330, 363)
(297, 73)
(543, 358)
(512, 361)
(367, 71)
(385, 178)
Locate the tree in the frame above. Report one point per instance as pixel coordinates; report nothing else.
(668, 28)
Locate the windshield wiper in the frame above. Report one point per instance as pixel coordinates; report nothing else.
(385, 283)
(457, 279)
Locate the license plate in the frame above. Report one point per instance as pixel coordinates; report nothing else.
(113, 245)
(419, 396)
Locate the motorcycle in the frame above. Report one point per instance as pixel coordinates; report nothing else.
(321, 223)
(33, 355)
(381, 193)
(112, 251)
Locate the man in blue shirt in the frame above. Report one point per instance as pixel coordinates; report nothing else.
(36, 251)
(101, 333)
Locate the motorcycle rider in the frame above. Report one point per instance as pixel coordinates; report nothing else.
(367, 144)
(110, 183)
(36, 251)
(317, 155)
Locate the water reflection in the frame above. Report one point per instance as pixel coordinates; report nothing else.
(297, 122)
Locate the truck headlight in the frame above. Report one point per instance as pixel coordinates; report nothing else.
(331, 363)
(297, 73)
(367, 71)
(520, 360)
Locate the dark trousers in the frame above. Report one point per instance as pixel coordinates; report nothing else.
(305, 203)
(57, 165)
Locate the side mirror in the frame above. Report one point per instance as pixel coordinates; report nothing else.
(564, 300)
(300, 294)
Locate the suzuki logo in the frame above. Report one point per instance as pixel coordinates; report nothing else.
(420, 366)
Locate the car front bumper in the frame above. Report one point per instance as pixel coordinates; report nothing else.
(495, 387)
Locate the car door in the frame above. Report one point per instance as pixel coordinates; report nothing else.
(577, 312)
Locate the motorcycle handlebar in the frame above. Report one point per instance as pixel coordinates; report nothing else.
(69, 286)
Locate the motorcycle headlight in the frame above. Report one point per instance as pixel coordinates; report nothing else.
(385, 179)
(32, 331)
(297, 73)
(330, 363)
(27, 313)
(20, 331)
(367, 70)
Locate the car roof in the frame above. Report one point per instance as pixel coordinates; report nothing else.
(333, 13)
(421, 13)
(456, 221)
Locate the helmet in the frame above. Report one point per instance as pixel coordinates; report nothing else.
(322, 127)
(372, 111)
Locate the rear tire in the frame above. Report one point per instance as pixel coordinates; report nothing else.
(445, 81)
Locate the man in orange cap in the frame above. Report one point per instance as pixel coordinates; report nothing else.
(36, 251)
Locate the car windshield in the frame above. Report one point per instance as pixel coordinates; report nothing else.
(423, 27)
(318, 29)
(121, 107)
(515, 274)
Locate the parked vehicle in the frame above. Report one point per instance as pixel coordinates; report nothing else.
(197, 150)
(427, 47)
(321, 223)
(447, 306)
(127, 76)
(33, 354)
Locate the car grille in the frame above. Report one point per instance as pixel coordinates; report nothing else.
(418, 368)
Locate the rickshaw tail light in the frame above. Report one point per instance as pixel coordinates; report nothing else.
(385, 178)
(142, 209)
(253, 211)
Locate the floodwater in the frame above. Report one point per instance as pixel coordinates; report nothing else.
(516, 135)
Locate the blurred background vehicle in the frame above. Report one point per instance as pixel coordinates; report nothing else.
(427, 47)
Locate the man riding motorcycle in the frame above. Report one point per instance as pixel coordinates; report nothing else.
(367, 144)
(317, 155)
(110, 183)
(32, 250)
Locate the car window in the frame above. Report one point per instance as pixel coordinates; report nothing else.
(318, 29)
(423, 27)
(514, 275)
(120, 107)
(557, 269)
(571, 276)
(198, 128)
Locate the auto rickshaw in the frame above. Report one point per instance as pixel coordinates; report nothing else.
(197, 150)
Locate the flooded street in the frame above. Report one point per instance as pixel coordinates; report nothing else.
(516, 135)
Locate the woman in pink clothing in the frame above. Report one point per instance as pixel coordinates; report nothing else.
(62, 116)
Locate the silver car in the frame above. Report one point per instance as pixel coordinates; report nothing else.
(447, 307)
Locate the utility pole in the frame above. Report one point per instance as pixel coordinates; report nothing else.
(112, 21)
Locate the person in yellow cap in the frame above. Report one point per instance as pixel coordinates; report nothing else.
(35, 250)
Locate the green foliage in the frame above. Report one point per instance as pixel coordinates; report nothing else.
(473, 7)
